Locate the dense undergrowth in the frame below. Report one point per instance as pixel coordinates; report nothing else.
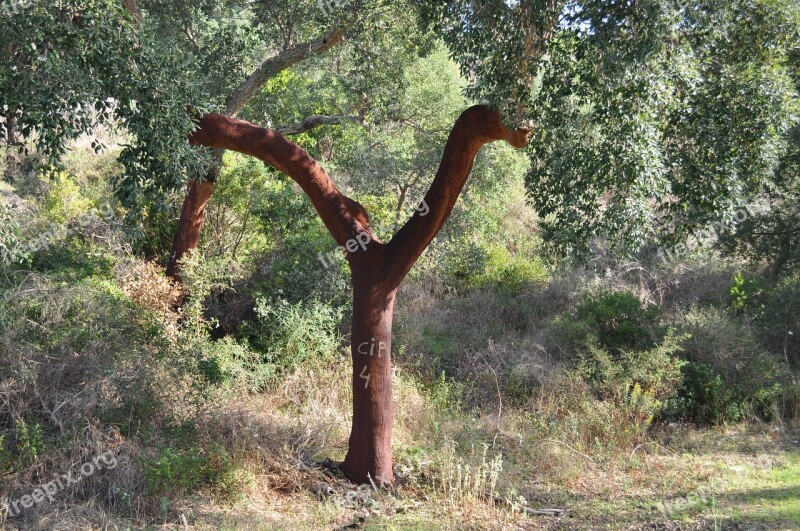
(235, 388)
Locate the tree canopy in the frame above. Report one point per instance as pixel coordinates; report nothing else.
(650, 119)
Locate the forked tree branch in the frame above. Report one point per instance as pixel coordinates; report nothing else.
(344, 217)
(475, 127)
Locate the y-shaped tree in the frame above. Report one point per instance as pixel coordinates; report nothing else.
(377, 268)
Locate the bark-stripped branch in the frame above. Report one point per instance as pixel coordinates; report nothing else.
(343, 216)
(475, 127)
(273, 65)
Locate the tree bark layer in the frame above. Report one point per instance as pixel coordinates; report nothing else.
(369, 455)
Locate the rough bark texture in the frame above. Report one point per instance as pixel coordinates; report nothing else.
(377, 268)
(369, 454)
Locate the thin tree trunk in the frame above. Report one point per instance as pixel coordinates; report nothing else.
(369, 454)
(193, 212)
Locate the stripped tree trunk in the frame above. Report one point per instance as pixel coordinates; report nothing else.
(187, 235)
(370, 448)
(377, 268)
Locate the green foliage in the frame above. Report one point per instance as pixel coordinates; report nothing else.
(232, 226)
(65, 200)
(612, 398)
(175, 470)
(202, 277)
(299, 238)
(292, 334)
(729, 376)
(633, 106)
(617, 320)
(657, 372)
(704, 397)
(743, 291)
(446, 394)
(493, 266)
(73, 261)
(11, 249)
(777, 313)
(30, 441)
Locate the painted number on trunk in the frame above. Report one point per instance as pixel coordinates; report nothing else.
(365, 376)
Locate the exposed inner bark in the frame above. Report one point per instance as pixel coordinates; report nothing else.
(369, 454)
(377, 268)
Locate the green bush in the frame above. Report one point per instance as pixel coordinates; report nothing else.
(493, 266)
(11, 247)
(657, 372)
(777, 314)
(730, 374)
(229, 362)
(705, 398)
(744, 292)
(291, 334)
(186, 470)
(615, 320)
(65, 201)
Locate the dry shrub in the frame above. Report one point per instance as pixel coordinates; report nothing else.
(84, 370)
(146, 285)
(279, 447)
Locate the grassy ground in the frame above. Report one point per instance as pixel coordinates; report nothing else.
(730, 477)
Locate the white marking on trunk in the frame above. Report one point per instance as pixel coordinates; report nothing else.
(365, 376)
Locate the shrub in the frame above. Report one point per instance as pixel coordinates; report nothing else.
(703, 397)
(493, 266)
(777, 314)
(65, 201)
(290, 334)
(615, 320)
(11, 248)
(729, 374)
(744, 292)
(657, 371)
(183, 470)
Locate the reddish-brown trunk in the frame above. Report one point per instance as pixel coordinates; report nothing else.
(369, 454)
(188, 232)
